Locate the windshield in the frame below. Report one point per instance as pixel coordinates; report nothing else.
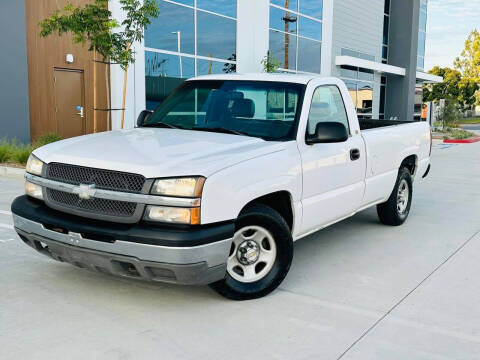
(268, 110)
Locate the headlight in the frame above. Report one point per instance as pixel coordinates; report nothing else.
(185, 187)
(34, 165)
(173, 215)
(33, 190)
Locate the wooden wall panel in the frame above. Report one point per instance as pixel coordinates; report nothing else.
(46, 54)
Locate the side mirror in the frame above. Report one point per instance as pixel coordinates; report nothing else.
(143, 117)
(328, 132)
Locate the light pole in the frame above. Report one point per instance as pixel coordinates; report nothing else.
(179, 48)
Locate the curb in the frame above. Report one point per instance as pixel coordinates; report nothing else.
(463, 141)
(12, 172)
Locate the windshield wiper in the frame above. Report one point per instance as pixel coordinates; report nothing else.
(163, 125)
(221, 130)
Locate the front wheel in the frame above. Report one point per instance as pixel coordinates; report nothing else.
(396, 209)
(260, 255)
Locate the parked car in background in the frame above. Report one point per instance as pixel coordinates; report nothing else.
(217, 183)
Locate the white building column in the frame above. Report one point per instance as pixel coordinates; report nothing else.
(327, 38)
(253, 19)
(135, 100)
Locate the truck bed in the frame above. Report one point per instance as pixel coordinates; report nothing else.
(373, 123)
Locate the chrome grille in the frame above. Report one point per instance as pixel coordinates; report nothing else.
(103, 179)
(93, 205)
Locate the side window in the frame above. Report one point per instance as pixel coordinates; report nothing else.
(327, 106)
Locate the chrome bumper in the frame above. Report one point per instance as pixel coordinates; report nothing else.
(199, 265)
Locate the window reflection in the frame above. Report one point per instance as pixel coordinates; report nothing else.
(291, 34)
(216, 35)
(283, 48)
(352, 90)
(364, 97)
(173, 18)
(310, 28)
(385, 52)
(423, 21)
(309, 55)
(224, 7)
(421, 44)
(163, 73)
(288, 4)
(283, 20)
(420, 62)
(365, 74)
(186, 2)
(312, 8)
(207, 67)
(386, 21)
(349, 72)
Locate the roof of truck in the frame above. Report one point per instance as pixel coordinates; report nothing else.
(279, 77)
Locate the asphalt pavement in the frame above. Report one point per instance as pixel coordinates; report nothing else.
(357, 290)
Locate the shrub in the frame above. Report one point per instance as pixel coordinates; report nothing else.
(21, 153)
(13, 151)
(4, 151)
(46, 139)
(460, 134)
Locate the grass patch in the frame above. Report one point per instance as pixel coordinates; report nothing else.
(475, 120)
(459, 134)
(14, 152)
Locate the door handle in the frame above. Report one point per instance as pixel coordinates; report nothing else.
(80, 110)
(354, 154)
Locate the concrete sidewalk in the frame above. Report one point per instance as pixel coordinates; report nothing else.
(357, 290)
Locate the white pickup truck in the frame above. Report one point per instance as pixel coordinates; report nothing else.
(217, 183)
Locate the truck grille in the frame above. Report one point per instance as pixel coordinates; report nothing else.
(94, 205)
(103, 179)
(96, 208)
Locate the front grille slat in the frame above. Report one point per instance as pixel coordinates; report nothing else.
(102, 179)
(101, 206)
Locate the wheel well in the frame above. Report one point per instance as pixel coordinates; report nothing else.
(410, 162)
(280, 201)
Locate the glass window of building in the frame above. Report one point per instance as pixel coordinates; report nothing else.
(189, 38)
(386, 31)
(422, 34)
(296, 34)
(359, 83)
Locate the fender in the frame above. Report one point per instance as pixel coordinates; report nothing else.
(228, 191)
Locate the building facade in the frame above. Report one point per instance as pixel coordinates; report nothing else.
(376, 46)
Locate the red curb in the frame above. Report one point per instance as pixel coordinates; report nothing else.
(463, 141)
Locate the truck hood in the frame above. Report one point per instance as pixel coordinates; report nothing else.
(156, 152)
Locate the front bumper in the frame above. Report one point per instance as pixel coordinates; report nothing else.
(141, 251)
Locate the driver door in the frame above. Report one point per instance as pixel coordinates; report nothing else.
(333, 173)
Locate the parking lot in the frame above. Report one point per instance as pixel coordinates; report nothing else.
(357, 290)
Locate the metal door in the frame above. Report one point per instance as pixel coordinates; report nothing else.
(70, 114)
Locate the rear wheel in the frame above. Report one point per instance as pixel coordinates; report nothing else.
(260, 256)
(396, 209)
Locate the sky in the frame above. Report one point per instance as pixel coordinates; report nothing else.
(448, 25)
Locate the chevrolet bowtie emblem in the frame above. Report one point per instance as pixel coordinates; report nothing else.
(85, 191)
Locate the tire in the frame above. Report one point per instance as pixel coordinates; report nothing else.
(275, 247)
(395, 210)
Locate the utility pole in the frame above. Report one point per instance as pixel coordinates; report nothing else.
(287, 20)
(287, 35)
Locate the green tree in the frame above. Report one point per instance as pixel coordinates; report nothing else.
(449, 114)
(94, 25)
(449, 86)
(454, 87)
(469, 61)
